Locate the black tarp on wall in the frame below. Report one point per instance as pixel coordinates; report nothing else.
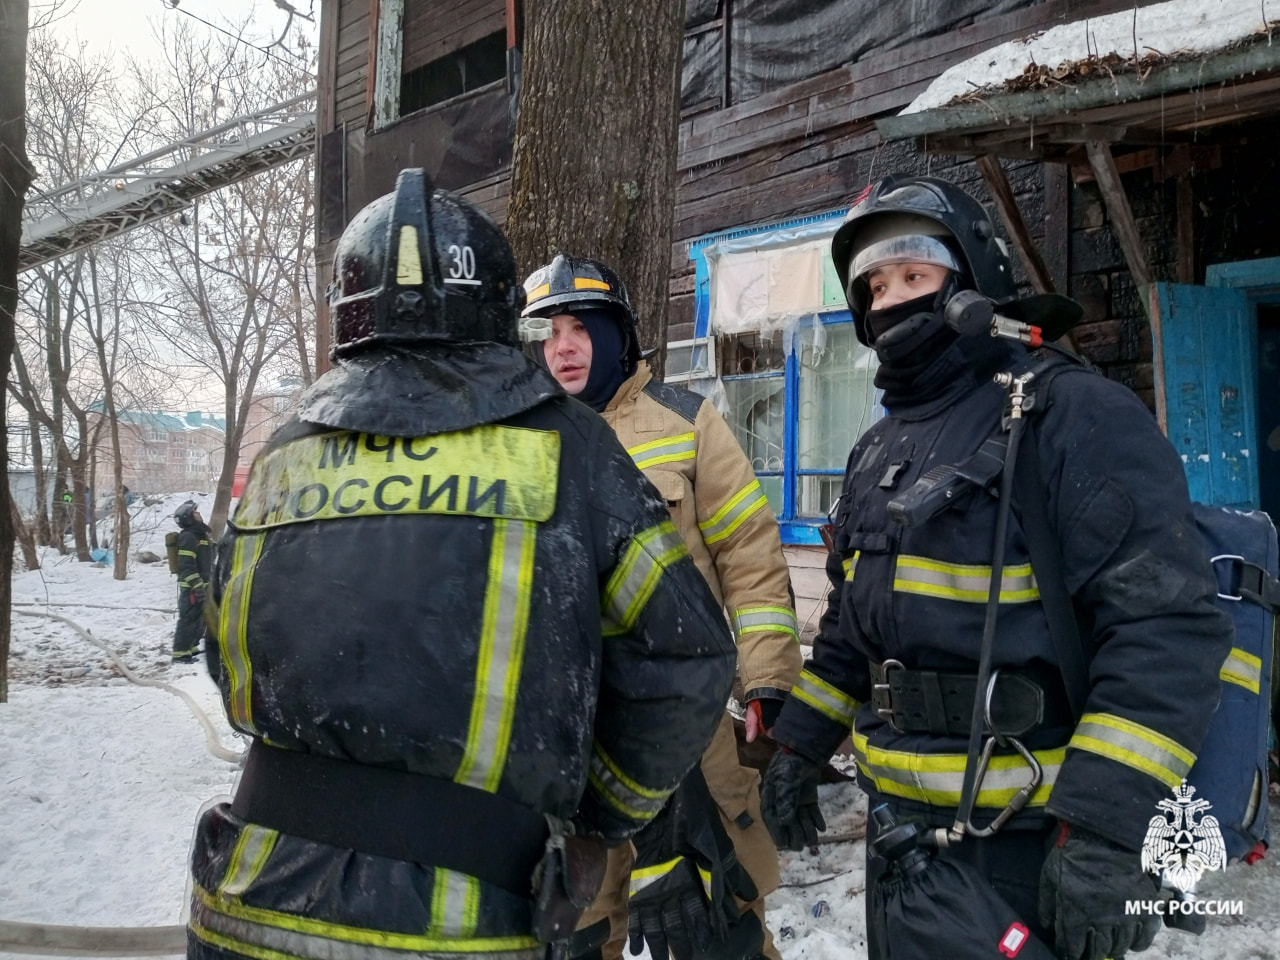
(774, 43)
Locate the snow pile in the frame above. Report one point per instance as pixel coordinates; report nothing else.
(1131, 39)
(101, 780)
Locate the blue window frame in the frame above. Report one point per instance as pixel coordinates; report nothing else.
(798, 465)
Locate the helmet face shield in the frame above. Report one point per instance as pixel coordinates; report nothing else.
(912, 248)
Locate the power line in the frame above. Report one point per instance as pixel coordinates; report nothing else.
(173, 5)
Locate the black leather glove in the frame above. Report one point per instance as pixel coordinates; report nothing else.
(686, 877)
(789, 800)
(1084, 884)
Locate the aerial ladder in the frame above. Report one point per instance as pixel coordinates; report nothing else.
(161, 183)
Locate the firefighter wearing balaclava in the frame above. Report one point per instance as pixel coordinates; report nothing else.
(582, 327)
(455, 622)
(898, 649)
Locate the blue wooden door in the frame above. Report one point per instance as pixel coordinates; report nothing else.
(1210, 396)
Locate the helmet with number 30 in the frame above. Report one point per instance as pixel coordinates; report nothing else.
(422, 266)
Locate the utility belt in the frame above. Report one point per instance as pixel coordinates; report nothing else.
(394, 814)
(941, 703)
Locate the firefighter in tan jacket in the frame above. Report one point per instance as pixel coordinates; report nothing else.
(580, 311)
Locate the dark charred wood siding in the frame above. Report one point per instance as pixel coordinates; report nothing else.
(433, 28)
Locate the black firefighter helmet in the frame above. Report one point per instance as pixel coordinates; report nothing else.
(423, 311)
(923, 207)
(569, 284)
(422, 266)
(186, 513)
(927, 219)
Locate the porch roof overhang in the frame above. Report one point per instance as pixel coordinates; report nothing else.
(1166, 102)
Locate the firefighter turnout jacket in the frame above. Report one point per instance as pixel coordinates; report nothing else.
(195, 557)
(913, 598)
(506, 609)
(688, 451)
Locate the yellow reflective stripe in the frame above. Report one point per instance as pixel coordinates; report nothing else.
(486, 471)
(642, 877)
(408, 260)
(962, 581)
(589, 283)
(233, 629)
(1133, 745)
(764, 620)
(733, 514)
(272, 934)
(826, 699)
(248, 857)
(455, 903)
(538, 292)
(938, 778)
(189, 553)
(664, 450)
(500, 655)
(633, 581)
(620, 791)
(1243, 668)
(850, 565)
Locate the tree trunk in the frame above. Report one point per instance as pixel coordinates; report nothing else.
(15, 177)
(594, 166)
(25, 540)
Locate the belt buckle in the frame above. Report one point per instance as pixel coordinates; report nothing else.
(886, 713)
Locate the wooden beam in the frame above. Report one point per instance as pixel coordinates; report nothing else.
(1007, 205)
(1119, 211)
(1186, 248)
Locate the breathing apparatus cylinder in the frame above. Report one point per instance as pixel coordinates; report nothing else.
(171, 550)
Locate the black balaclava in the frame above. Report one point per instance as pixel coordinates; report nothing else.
(609, 366)
(921, 357)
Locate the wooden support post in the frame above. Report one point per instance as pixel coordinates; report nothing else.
(1186, 248)
(1007, 205)
(1119, 211)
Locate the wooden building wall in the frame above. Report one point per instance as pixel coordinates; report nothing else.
(806, 148)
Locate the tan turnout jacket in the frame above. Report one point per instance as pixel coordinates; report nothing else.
(688, 451)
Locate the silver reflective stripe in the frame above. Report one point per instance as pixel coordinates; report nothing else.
(273, 935)
(633, 581)
(937, 779)
(248, 857)
(665, 450)
(1242, 668)
(632, 799)
(962, 581)
(1134, 745)
(233, 633)
(764, 619)
(455, 903)
(500, 654)
(642, 877)
(736, 511)
(826, 699)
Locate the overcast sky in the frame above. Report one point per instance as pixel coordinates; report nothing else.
(130, 26)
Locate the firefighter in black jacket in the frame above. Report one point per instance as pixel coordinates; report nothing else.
(898, 648)
(456, 621)
(195, 564)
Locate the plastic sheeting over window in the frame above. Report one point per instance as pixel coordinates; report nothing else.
(765, 283)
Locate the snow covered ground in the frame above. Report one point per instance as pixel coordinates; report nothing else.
(101, 779)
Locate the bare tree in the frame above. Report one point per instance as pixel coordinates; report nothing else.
(15, 177)
(605, 122)
(239, 271)
(76, 124)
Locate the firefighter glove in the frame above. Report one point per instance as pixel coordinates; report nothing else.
(668, 910)
(686, 874)
(789, 800)
(1084, 884)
